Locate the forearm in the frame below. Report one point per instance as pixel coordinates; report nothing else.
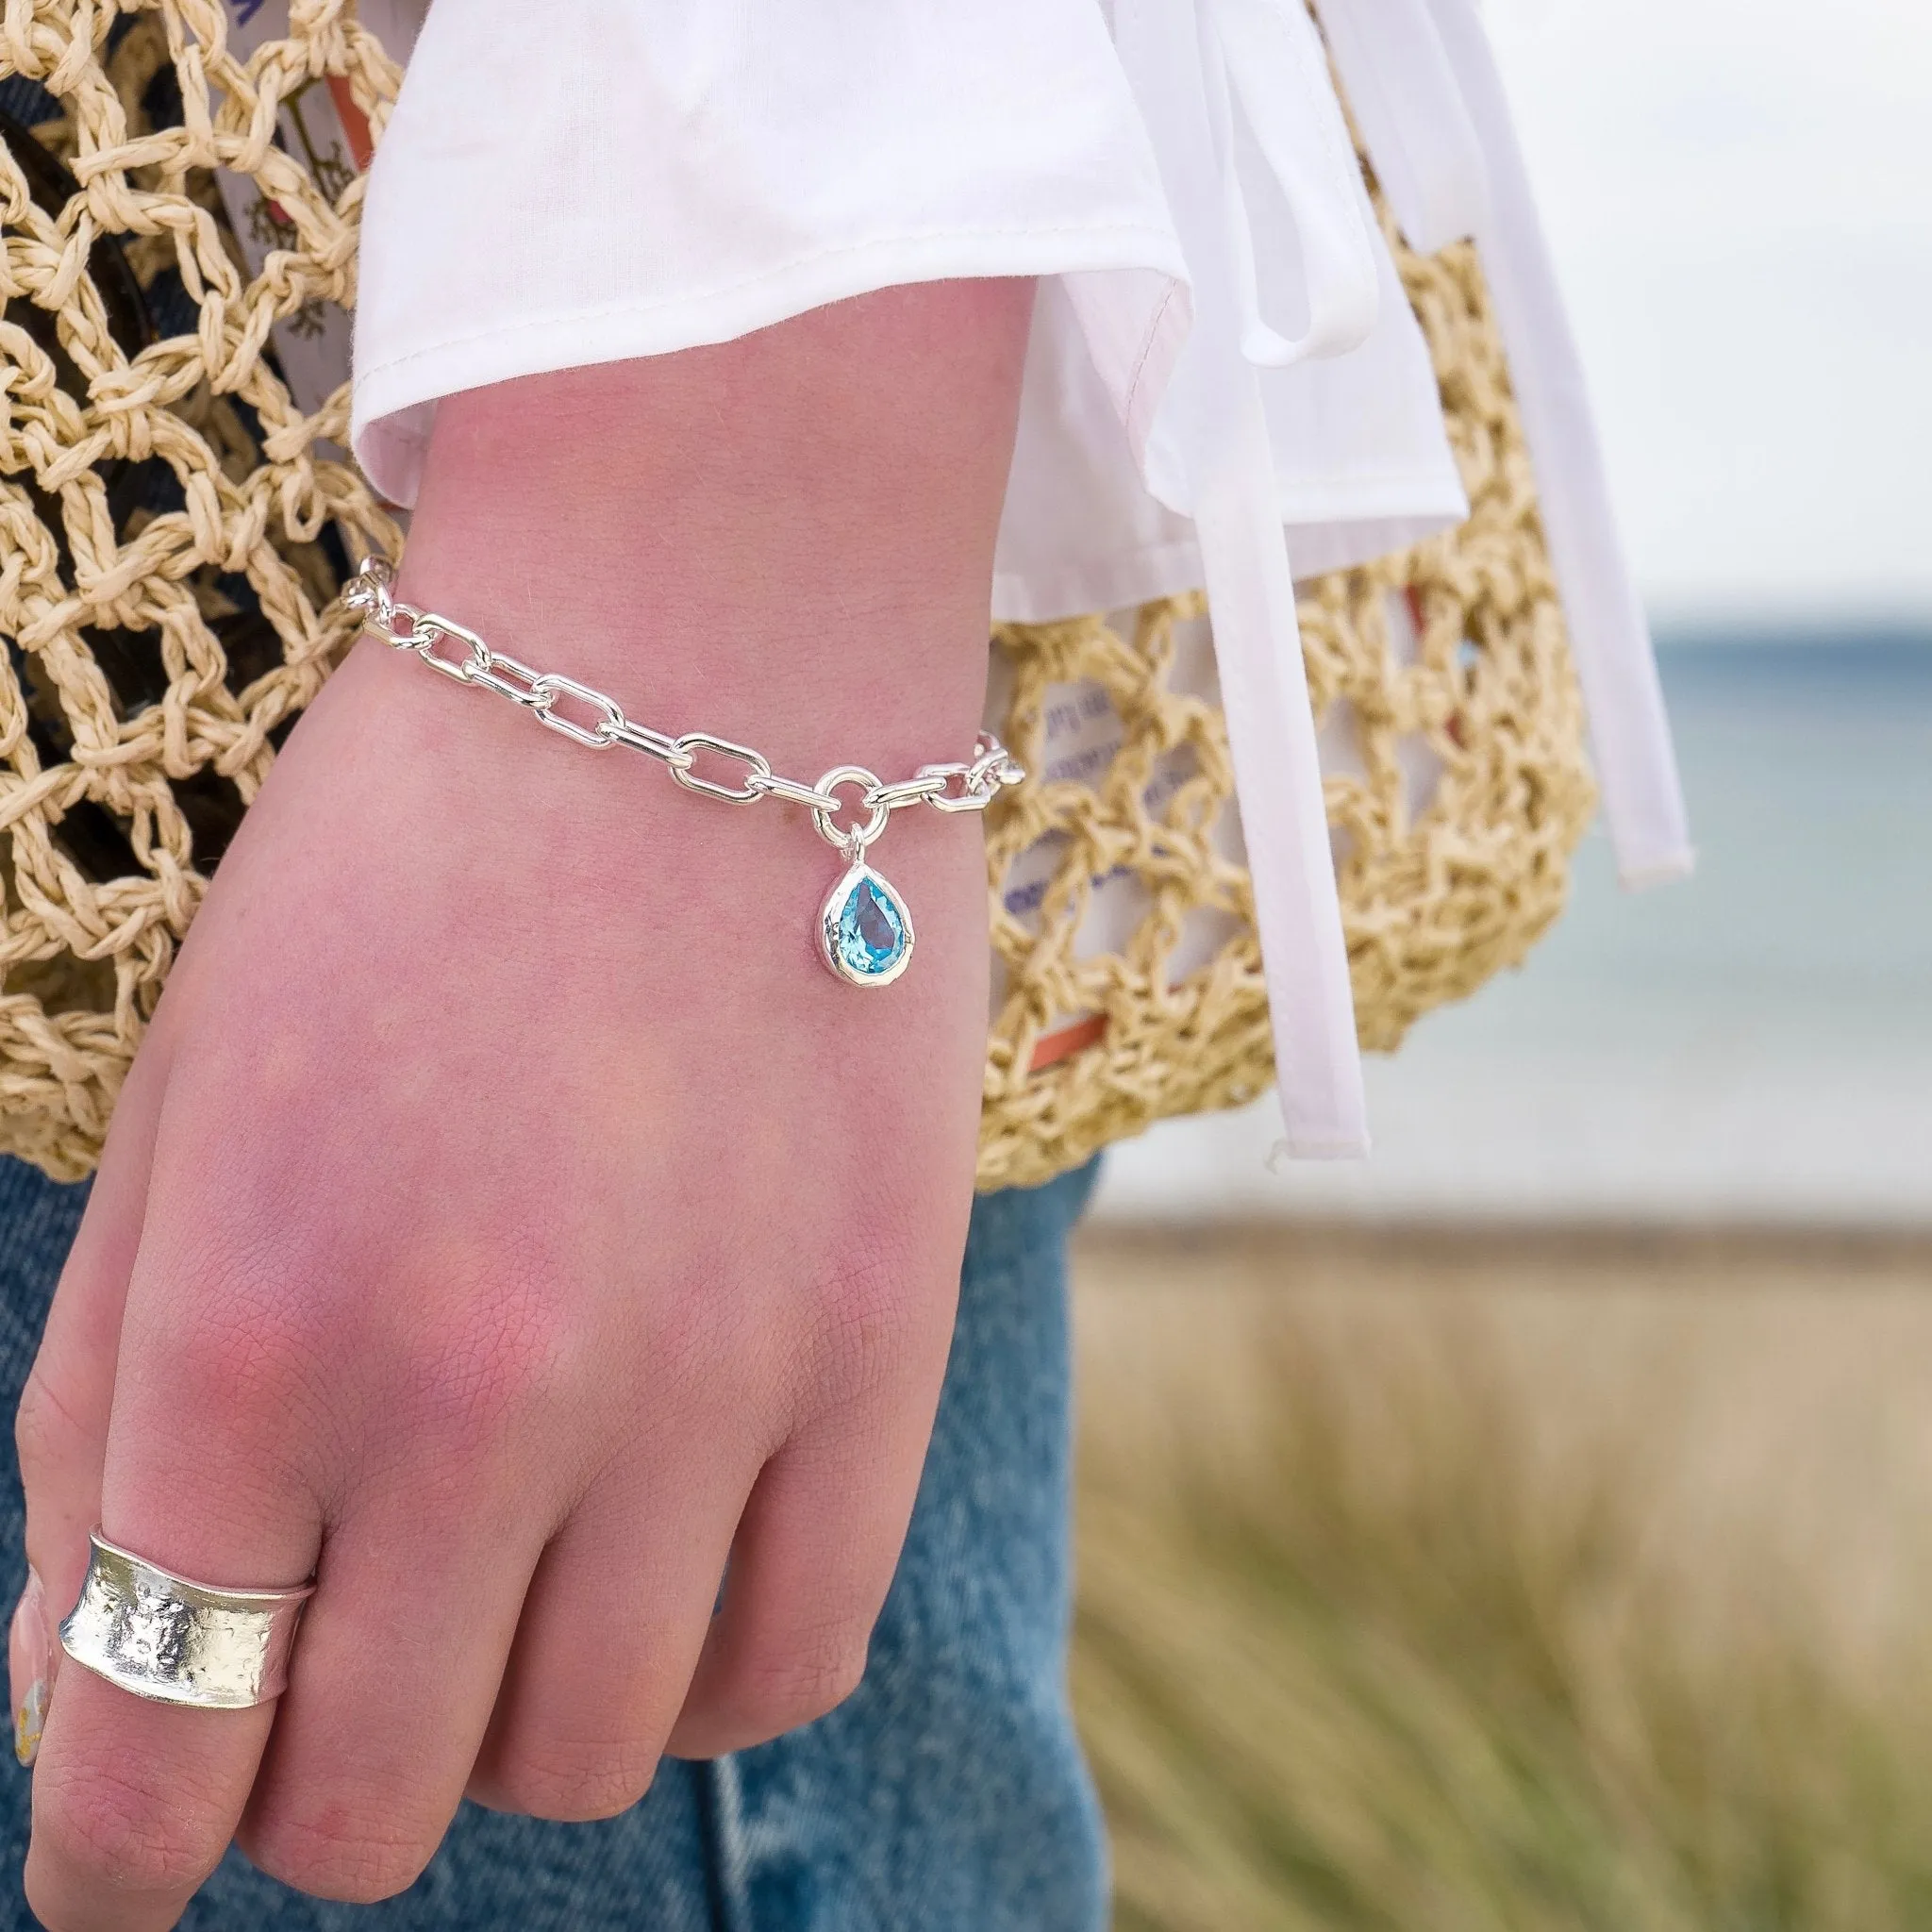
(786, 539)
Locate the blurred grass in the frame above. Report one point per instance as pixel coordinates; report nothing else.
(1446, 1589)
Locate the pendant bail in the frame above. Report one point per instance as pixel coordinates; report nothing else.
(850, 839)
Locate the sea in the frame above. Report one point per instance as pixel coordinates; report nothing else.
(1751, 1046)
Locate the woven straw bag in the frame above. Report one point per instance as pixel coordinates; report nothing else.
(172, 528)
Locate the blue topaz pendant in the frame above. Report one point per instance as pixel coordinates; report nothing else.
(865, 928)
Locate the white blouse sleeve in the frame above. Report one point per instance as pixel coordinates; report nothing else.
(634, 177)
(1223, 372)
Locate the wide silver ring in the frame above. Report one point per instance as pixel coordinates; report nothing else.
(163, 1637)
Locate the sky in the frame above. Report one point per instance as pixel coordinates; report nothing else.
(1738, 197)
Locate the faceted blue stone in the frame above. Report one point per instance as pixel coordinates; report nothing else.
(872, 929)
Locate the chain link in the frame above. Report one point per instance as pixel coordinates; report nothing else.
(967, 787)
(852, 839)
(694, 741)
(771, 786)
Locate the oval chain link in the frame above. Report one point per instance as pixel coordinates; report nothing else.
(403, 628)
(694, 741)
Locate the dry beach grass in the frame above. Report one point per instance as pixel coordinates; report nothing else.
(1451, 1582)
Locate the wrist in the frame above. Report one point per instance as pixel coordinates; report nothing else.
(785, 540)
(864, 927)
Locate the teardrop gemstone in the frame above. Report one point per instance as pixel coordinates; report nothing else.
(866, 931)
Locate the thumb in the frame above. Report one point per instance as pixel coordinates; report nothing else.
(61, 1425)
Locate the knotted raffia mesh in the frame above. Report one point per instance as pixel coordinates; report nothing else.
(172, 528)
(1435, 896)
(167, 561)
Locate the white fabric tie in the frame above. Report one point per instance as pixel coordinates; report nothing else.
(1208, 456)
(1414, 122)
(1430, 103)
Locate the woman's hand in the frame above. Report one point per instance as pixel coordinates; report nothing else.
(508, 1217)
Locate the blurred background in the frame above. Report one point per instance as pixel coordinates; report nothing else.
(1530, 1527)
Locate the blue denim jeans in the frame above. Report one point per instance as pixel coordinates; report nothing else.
(947, 1794)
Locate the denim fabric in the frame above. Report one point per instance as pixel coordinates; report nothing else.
(947, 1794)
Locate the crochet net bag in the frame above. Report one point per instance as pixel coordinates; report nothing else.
(174, 526)
(1455, 772)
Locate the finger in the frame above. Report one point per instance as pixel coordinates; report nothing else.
(134, 1805)
(135, 1802)
(391, 1691)
(29, 1668)
(612, 1629)
(60, 1427)
(813, 1559)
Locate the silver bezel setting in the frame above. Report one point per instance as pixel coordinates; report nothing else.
(830, 914)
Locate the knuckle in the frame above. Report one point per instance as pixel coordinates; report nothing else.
(797, 1686)
(452, 1373)
(254, 1363)
(339, 1852)
(571, 1783)
(472, 1380)
(129, 1834)
(866, 1318)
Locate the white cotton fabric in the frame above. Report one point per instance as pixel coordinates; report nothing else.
(651, 175)
(1224, 385)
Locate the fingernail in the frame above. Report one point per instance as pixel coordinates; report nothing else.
(29, 1661)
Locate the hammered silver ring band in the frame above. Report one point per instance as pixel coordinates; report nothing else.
(177, 1642)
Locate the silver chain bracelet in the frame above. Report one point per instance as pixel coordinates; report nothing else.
(864, 927)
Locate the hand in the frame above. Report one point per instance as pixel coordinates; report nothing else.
(508, 1217)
